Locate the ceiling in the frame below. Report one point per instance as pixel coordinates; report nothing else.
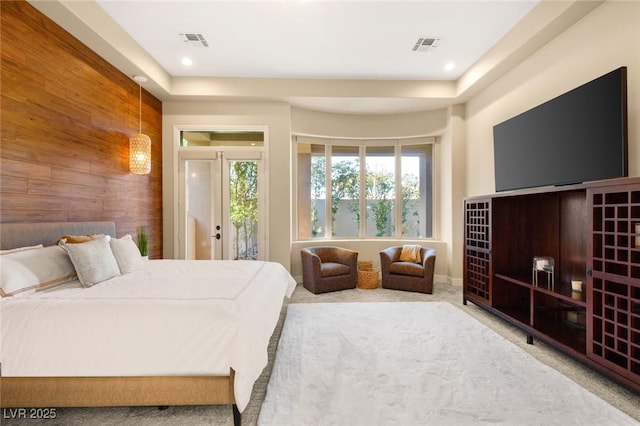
(317, 38)
(349, 56)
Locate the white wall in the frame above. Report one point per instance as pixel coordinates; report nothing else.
(315, 123)
(607, 38)
(451, 191)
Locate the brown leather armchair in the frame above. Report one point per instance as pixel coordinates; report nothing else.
(327, 269)
(409, 276)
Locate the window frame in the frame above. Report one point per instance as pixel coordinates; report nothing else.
(362, 145)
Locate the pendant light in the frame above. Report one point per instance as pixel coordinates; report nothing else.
(139, 143)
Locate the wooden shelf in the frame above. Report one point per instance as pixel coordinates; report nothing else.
(563, 292)
(520, 315)
(521, 281)
(592, 231)
(561, 321)
(563, 331)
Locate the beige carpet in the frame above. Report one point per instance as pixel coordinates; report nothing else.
(605, 389)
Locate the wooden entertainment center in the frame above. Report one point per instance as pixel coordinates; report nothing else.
(592, 233)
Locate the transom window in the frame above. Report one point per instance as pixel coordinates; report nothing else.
(225, 138)
(364, 189)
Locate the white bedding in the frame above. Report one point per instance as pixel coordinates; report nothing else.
(173, 317)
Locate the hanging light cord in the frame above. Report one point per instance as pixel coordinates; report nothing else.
(140, 107)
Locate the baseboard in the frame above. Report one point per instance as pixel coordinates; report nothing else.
(456, 282)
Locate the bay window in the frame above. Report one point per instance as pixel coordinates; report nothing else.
(364, 189)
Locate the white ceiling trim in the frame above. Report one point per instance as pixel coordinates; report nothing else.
(88, 22)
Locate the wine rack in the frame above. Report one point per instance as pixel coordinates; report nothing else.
(614, 306)
(477, 249)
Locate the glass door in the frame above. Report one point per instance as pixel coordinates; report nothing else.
(222, 201)
(200, 212)
(241, 201)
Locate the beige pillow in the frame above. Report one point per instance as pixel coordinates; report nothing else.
(78, 239)
(411, 253)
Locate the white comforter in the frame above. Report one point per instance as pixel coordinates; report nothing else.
(173, 317)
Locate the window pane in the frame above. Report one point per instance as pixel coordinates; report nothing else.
(243, 208)
(416, 166)
(222, 138)
(311, 190)
(199, 202)
(398, 190)
(380, 190)
(345, 187)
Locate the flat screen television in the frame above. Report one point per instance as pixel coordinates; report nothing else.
(579, 136)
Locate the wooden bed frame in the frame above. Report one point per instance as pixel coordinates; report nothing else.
(22, 392)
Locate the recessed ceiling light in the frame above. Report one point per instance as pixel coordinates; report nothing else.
(449, 66)
(187, 62)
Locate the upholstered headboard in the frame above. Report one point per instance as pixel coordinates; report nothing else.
(23, 234)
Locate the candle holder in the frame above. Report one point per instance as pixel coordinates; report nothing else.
(544, 264)
(576, 289)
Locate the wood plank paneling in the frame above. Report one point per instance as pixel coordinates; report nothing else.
(66, 116)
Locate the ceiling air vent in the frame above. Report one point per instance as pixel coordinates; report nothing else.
(195, 40)
(425, 44)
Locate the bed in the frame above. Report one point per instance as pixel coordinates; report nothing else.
(165, 332)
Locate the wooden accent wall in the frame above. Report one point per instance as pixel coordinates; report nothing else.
(66, 116)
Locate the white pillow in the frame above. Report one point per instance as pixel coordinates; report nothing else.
(24, 271)
(94, 261)
(126, 253)
(13, 250)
